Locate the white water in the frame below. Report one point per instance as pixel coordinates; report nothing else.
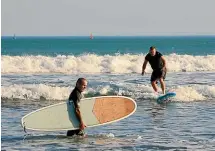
(147, 129)
(91, 63)
(42, 91)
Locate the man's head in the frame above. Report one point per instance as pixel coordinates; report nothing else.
(152, 50)
(81, 84)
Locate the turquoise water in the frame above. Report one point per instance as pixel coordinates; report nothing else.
(51, 46)
(37, 72)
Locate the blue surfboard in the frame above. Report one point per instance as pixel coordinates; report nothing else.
(165, 98)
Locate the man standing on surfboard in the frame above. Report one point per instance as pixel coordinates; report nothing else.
(158, 64)
(75, 97)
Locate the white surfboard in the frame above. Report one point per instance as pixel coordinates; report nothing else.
(95, 111)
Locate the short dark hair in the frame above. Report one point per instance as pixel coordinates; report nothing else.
(80, 80)
(152, 47)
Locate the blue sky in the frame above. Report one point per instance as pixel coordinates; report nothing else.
(110, 17)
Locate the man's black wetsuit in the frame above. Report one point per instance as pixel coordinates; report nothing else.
(157, 66)
(75, 98)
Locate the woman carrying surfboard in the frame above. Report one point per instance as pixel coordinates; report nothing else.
(158, 64)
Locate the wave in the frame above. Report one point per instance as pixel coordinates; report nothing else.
(92, 63)
(46, 92)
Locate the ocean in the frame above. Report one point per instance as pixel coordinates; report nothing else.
(40, 71)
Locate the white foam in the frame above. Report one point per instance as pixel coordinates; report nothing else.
(139, 137)
(111, 135)
(42, 91)
(188, 94)
(194, 93)
(91, 63)
(105, 90)
(35, 92)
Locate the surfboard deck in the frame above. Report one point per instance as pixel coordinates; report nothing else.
(165, 98)
(95, 111)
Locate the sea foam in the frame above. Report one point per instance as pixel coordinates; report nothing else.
(45, 92)
(91, 64)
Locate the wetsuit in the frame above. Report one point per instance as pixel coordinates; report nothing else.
(75, 98)
(157, 66)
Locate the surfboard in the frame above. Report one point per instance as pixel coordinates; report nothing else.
(165, 98)
(95, 111)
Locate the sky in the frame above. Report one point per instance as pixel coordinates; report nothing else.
(107, 17)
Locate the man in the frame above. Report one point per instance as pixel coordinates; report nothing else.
(158, 64)
(75, 98)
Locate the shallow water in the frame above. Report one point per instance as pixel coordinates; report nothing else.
(175, 126)
(186, 123)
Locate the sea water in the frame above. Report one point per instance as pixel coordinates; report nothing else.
(40, 71)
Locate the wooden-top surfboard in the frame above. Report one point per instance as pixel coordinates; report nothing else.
(95, 111)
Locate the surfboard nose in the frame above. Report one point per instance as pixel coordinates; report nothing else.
(111, 109)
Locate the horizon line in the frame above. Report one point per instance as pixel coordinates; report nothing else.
(107, 35)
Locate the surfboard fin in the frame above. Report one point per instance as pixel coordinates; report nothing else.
(24, 129)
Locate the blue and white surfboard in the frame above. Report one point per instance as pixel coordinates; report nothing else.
(165, 98)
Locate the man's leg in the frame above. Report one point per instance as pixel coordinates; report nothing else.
(154, 81)
(163, 87)
(154, 86)
(71, 132)
(163, 76)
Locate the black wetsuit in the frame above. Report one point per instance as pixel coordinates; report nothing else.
(157, 66)
(75, 97)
